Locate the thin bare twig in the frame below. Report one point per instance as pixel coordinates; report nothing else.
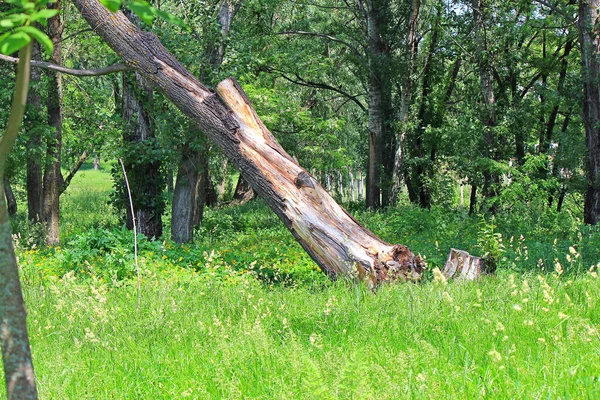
(69, 71)
(135, 247)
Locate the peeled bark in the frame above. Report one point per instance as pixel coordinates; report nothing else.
(52, 174)
(590, 57)
(334, 239)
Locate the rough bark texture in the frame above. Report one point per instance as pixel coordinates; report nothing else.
(462, 265)
(337, 243)
(406, 98)
(34, 183)
(52, 174)
(376, 118)
(590, 57)
(184, 195)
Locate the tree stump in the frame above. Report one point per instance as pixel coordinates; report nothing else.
(462, 265)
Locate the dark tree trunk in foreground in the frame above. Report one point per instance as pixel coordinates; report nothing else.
(34, 183)
(590, 57)
(52, 174)
(14, 340)
(333, 238)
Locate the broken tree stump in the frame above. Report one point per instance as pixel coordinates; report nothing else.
(462, 265)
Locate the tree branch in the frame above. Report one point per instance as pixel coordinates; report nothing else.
(554, 8)
(318, 85)
(332, 38)
(70, 71)
(67, 181)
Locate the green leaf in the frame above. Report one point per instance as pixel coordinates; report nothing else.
(142, 10)
(43, 15)
(38, 35)
(112, 5)
(169, 17)
(13, 42)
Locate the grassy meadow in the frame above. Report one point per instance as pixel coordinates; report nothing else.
(244, 313)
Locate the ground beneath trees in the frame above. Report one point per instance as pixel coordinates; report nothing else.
(244, 313)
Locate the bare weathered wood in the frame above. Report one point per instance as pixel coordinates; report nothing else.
(333, 238)
(462, 265)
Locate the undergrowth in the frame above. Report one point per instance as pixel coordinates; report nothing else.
(244, 313)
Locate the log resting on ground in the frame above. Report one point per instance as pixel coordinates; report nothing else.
(332, 237)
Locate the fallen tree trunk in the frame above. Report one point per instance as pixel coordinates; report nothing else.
(332, 237)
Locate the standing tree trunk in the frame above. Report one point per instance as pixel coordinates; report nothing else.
(243, 192)
(335, 240)
(145, 178)
(35, 193)
(378, 104)
(19, 376)
(590, 58)
(406, 98)
(52, 174)
(226, 12)
(11, 202)
(486, 79)
(205, 190)
(184, 195)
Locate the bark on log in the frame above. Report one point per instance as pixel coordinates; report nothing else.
(462, 265)
(332, 237)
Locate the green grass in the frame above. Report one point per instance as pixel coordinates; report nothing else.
(244, 313)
